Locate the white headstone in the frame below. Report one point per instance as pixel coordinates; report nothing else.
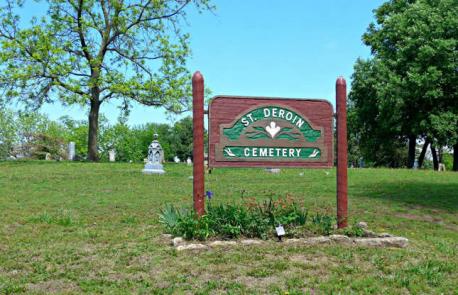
(176, 159)
(112, 155)
(441, 167)
(273, 170)
(71, 151)
(189, 162)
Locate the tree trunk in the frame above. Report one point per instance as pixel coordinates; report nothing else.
(455, 157)
(440, 153)
(435, 160)
(92, 151)
(421, 158)
(411, 154)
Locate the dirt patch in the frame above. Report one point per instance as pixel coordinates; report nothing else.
(313, 260)
(140, 261)
(259, 283)
(53, 287)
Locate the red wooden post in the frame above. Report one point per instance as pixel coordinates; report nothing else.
(198, 143)
(342, 185)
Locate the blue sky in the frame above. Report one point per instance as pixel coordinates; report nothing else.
(294, 48)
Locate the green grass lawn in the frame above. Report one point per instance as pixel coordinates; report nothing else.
(81, 227)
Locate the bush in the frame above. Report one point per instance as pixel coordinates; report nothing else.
(251, 219)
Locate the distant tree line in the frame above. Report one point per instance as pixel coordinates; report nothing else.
(406, 93)
(33, 135)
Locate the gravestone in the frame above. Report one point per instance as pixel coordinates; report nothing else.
(112, 155)
(155, 158)
(71, 151)
(441, 167)
(176, 159)
(189, 161)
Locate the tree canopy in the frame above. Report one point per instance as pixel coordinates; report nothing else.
(87, 52)
(408, 89)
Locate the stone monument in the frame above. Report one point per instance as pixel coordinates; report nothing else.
(112, 155)
(155, 158)
(71, 151)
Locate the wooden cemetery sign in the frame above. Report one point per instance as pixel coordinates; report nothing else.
(270, 132)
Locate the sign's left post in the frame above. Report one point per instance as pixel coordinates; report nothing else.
(198, 143)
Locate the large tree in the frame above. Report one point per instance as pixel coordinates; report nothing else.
(374, 117)
(87, 52)
(415, 42)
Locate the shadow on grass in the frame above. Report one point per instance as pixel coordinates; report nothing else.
(431, 195)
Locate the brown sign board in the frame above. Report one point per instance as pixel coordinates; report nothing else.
(270, 132)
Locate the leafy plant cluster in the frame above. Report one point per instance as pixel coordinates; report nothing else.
(250, 218)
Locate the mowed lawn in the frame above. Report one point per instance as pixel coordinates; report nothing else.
(82, 227)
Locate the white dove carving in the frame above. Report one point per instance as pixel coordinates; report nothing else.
(273, 129)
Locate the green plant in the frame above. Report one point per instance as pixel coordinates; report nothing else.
(323, 223)
(169, 216)
(189, 226)
(44, 217)
(353, 231)
(64, 218)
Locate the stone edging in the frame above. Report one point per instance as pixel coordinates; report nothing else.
(383, 240)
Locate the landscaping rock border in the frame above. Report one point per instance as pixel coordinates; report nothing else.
(379, 242)
(370, 239)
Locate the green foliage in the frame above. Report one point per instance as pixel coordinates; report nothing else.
(8, 134)
(408, 88)
(447, 159)
(169, 216)
(62, 217)
(34, 135)
(181, 138)
(323, 224)
(90, 52)
(77, 131)
(353, 231)
(250, 219)
(375, 131)
(43, 144)
(30, 134)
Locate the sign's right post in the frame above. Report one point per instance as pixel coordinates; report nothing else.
(342, 161)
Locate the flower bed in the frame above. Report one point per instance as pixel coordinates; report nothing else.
(251, 219)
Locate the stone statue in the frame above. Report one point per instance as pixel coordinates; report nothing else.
(155, 158)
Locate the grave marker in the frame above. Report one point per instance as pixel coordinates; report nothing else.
(71, 150)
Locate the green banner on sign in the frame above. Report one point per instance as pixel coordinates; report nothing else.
(271, 113)
(262, 152)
